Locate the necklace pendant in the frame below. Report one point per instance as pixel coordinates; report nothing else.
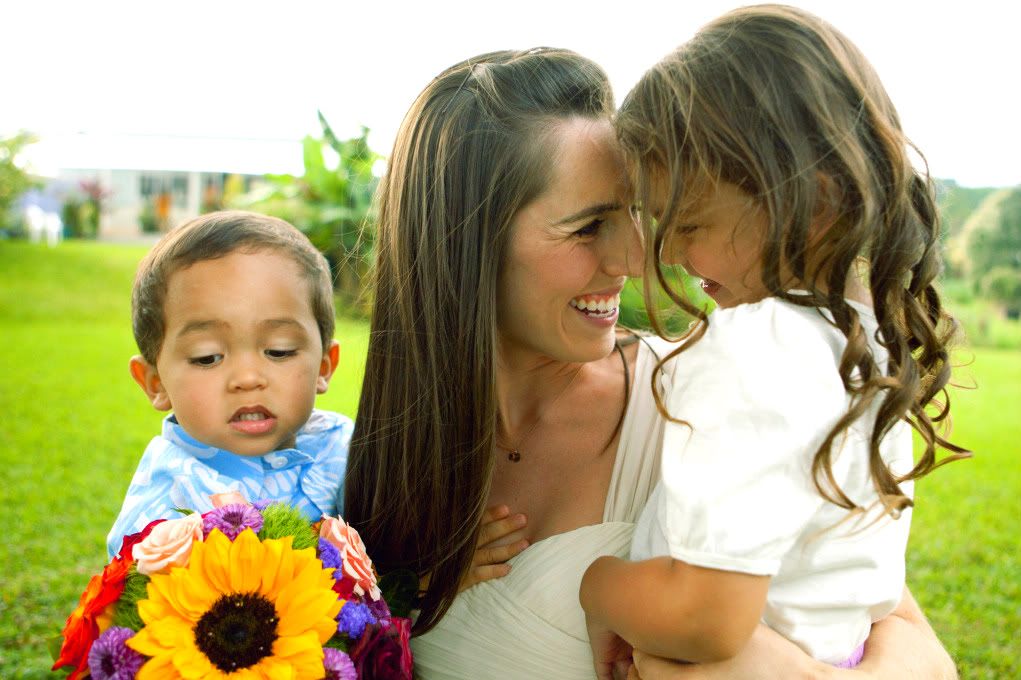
(514, 455)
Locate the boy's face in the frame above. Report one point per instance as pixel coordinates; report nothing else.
(242, 359)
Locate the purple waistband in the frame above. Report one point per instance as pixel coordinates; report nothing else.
(854, 659)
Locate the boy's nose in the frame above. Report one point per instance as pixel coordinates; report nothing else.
(246, 377)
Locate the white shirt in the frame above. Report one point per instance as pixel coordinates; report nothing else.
(761, 391)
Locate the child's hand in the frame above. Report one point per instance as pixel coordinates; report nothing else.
(610, 653)
(490, 560)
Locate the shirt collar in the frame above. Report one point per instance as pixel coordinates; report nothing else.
(281, 459)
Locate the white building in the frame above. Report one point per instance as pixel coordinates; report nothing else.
(158, 180)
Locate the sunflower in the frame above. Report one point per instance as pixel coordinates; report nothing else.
(244, 610)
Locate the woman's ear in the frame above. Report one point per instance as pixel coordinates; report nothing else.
(327, 366)
(148, 379)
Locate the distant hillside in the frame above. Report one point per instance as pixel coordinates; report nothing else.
(957, 203)
(990, 236)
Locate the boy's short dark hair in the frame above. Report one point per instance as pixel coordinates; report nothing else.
(216, 235)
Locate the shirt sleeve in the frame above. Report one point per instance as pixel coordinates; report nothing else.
(759, 393)
(147, 497)
(324, 479)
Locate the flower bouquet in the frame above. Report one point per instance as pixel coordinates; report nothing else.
(244, 591)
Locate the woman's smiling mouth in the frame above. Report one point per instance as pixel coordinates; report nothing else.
(599, 307)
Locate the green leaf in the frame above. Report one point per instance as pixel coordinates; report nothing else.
(400, 590)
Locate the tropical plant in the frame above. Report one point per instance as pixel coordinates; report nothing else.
(332, 204)
(14, 181)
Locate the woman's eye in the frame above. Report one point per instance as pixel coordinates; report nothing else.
(590, 229)
(280, 353)
(206, 360)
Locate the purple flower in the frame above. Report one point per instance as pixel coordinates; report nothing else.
(330, 556)
(111, 659)
(353, 618)
(380, 610)
(262, 505)
(338, 665)
(232, 519)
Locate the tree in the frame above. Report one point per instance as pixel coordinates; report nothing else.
(1003, 286)
(13, 180)
(994, 237)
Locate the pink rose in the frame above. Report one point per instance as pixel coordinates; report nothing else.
(227, 498)
(357, 564)
(168, 544)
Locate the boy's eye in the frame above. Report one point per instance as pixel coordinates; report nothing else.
(590, 229)
(206, 360)
(280, 353)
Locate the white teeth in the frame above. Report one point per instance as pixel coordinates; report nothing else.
(599, 306)
(251, 416)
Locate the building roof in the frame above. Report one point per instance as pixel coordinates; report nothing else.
(102, 151)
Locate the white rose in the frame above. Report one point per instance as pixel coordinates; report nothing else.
(168, 545)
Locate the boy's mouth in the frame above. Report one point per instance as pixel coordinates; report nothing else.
(253, 420)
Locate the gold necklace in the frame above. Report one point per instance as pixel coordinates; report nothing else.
(514, 454)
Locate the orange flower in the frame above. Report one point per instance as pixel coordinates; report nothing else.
(82, 628)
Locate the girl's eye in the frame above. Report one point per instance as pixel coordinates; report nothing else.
(590, 229)
(686, 229)
(206, 360)
(280, 353)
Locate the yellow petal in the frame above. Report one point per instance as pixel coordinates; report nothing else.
(288, 647)
(171, 632)
(145, 643)
(285, 569)
(303, 652)
(157, 668)
(302, 582)
(273, 668)
(190, 594)
(153, 609)
(305, 609)
(215, 561)
(191, 663)
(271, 561)
(245, 563)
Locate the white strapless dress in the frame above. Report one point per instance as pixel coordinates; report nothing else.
(529, 624)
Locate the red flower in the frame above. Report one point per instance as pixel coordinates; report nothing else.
(384, 653)
(345, 588)
(81, 629)
(132, 539)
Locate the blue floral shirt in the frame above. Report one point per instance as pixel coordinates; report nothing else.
(178, 471)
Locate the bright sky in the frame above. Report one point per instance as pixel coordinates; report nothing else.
(127, 73)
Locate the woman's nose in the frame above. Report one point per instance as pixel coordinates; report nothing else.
(626, 252)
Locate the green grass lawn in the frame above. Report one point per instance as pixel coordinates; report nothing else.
(73, 425)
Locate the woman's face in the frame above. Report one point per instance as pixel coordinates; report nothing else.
(570, 251)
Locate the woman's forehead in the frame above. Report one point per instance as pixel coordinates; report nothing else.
(587, 160)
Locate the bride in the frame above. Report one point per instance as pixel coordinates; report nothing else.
(496, 378)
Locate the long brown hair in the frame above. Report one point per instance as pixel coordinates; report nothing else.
(779, 103)
(472, 151)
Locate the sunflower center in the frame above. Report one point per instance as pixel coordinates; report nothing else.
(237, 631)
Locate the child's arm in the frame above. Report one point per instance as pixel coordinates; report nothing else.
(669, 608)
(490, 560)
(903, 646)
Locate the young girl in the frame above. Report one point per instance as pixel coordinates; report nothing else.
(772, 164)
